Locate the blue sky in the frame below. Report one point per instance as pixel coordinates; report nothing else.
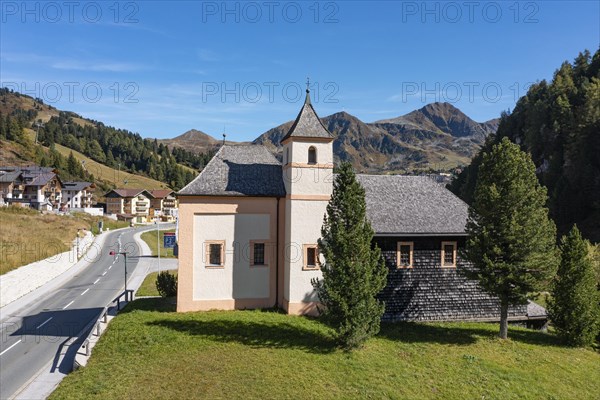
(162, 68)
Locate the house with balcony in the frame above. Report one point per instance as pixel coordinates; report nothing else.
(11, 185)
(77, 194)
(163, 205)
(129, 204)
(32, 186)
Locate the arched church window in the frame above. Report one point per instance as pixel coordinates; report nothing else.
(312, 155)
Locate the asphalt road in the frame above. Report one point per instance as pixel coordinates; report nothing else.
(37, 336)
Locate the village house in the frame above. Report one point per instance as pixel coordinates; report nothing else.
(163, 205)
(77, 194)
(32, 186)
(129, 204)
(11, 185)
(249, 225)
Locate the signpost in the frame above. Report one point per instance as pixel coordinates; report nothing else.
(169, 240)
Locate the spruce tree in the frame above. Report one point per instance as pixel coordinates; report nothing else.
(354, 271)
(574, 308)
(511, 242)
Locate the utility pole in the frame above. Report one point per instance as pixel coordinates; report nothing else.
(37, 132)
(112, 253)
(158, 244)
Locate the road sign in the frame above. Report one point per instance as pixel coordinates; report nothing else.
(169, 240)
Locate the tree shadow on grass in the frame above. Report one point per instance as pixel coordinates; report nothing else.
(460, 334)
(280, 335)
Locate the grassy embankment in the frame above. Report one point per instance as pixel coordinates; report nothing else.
(27, 236)
(148, 287)
(149, 351)
(150, 238)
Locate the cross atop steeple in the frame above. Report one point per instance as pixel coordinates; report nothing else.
(307, 99)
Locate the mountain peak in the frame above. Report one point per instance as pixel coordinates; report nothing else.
(196, 135)
(440, 118)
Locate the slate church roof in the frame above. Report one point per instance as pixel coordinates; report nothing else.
(308, 124)
(239, 170)
(412, 205)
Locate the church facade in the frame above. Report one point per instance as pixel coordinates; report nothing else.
(249, 225)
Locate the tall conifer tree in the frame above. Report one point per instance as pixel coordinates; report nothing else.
(354, 271)
(574, 307)
(511, 242)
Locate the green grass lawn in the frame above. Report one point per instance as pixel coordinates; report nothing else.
(151, 352)
(148, 287)
(150, 238)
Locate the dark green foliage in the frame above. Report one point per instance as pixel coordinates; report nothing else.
(354, 271)
(574, 307)
(558, 123)
(11, 127)
(74, 167)
(511, 240)
(166, 284)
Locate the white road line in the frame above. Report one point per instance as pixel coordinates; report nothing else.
(68, 304)
(85, 291)
(96, 281)
(110, 266)
(104, 273)
(14, 344)
(44, 323)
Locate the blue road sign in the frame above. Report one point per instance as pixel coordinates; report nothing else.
(169, 240)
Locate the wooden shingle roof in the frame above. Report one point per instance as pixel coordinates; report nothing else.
(412, 205)
(239, 170)
(308, 124)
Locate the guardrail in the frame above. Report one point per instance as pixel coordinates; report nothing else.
(103, 318)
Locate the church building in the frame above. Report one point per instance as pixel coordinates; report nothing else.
(249, 225)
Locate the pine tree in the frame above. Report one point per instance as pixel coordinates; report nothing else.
(574, 308)
(354, 271)
(511, 242)
(73, 166)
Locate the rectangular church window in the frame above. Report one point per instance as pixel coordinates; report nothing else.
(215, 253)
(448, 254)
(404, 255)
(311, 256)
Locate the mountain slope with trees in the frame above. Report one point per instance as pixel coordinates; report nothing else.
(115, 148)
(558, 123)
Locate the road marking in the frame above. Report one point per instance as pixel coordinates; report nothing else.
(68, 304)
(44, 323)
(96, 281)
(85, 291)
(14, 344)
(104, 273)
(110, 266)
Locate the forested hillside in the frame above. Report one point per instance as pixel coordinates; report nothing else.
(116, 148)
(558, 123)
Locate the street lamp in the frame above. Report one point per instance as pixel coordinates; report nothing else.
(112, 253)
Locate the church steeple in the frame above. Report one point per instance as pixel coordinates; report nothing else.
(307, 123)
(307, 176)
